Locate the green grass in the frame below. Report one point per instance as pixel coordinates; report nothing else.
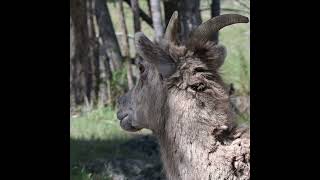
(95, 135)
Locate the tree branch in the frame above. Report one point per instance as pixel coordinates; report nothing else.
(142, 14)
(227, 9)
(243, 4)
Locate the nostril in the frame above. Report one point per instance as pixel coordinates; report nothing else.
(118, 114)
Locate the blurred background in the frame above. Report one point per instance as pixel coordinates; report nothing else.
(102, 67)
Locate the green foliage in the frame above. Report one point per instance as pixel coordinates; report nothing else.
(236, 68)
(96, 135)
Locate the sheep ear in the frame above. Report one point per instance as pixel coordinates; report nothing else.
(211, 54)
(154, 54)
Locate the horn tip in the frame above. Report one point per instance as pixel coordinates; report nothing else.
(246, 19)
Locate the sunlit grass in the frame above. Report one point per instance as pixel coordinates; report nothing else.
(96, 135)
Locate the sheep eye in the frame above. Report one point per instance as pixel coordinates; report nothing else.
(199, 87)
(141, 68)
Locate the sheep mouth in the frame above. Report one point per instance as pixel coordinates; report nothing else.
(126, 122)
(121, 116)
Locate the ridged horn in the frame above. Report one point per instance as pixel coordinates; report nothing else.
(205, 31)
(171, 33)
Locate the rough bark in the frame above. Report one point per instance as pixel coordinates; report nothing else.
(125, 42)
(190, 16)
(108, 34)
(81, 60)
(156, 18)
(92, 78)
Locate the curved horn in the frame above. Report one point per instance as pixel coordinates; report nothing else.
(204, 32)
(171, 33)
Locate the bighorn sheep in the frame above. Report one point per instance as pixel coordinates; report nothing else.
(181, 97)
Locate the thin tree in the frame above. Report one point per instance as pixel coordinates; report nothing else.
(189, 14)
(136, 16)
(72, 53)
(93, 54)
(81, 59)
(105, 76)
(215, 11)
(125, 42)
(108, 34)
(156, 18)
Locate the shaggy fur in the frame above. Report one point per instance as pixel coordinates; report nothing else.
(181, 97)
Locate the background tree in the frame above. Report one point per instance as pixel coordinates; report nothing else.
(108, 35)
(125, 42)
(81, 84)
(215, 11)
(156, 18)
(189, 14)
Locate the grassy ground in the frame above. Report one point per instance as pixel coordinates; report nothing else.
(93, 136)
(97, 134)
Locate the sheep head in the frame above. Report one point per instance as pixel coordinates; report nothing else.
(185, 73)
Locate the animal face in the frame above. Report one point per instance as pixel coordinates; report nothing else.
(184, 74)
(141, 107)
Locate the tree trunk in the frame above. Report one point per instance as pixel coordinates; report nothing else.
(108, 79)
(108, 34)
(81, 60)
(102, 94)
(92, 78)
(156, 18)
(149, 8)
(72, 52)
(136, 17)
(190, 16)
(215, 11)
(125, 41)
(84, 70)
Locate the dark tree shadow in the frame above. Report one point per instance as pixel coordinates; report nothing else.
(134, 158)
